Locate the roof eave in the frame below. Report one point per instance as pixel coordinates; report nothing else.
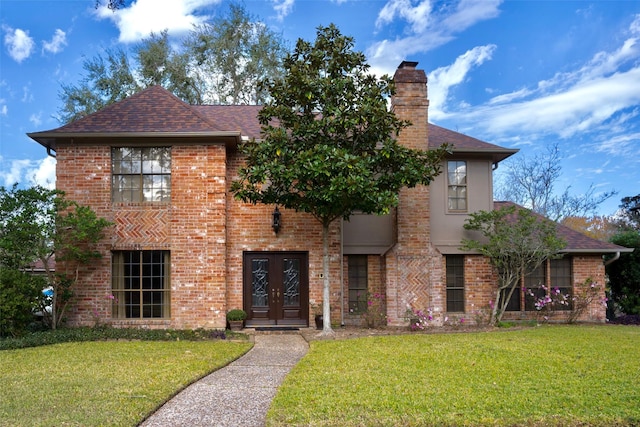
(595, 251)
(496, 155)
(48, 139)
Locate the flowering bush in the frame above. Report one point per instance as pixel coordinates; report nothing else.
(375, 316)
(419, 320)
(482, 316)
(554, 299)
(453, 321)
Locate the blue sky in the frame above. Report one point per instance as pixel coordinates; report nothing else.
(520, 74)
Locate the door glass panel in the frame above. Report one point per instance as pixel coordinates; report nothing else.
(291, 282)
(259, 282)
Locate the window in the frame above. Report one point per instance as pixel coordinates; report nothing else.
(140, 284)
(534, 282)
(561, 278)
(455, 283)
(358, 287)
(141, 174)
(457, 185)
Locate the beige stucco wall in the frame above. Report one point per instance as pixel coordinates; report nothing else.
(447, 227)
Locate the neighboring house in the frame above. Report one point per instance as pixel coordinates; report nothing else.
(183, 251)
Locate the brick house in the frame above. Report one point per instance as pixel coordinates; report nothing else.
(182, 251)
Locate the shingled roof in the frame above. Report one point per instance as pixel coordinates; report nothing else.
(156, 112)
(152, 112)
(463, 144)
(576, 242)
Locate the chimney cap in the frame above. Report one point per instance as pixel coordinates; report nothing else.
(408, 64)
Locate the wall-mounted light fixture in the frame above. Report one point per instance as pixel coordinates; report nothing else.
(277, 218)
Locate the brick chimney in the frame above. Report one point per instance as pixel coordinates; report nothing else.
(411, 103)
(414, 266)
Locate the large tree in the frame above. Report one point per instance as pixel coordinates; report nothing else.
(624, 274)
(219, 62)
(531, 182)
(232, 54)
(516, 242)
(37, 223)
(628, 217)
(329, 141)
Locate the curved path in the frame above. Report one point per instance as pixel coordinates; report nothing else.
(239, 394)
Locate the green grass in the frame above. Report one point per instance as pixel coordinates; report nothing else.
(544, 376)
(106, 383)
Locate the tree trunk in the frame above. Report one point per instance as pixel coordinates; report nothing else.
(326, 292)
(495, 315)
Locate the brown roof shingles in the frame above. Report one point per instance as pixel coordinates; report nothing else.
(576, 242)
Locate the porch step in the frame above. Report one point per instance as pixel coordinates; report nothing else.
(276, 328)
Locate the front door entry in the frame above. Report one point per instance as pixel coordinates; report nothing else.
(276, 288)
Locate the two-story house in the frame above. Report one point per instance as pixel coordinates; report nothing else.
(183, 251)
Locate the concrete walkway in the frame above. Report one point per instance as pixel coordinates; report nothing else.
(239, 394)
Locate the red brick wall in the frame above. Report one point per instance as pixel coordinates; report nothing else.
(249, 229)
(414, 267)
(192, 227)
(481, 287)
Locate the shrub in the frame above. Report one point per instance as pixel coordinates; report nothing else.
(19, 293)
(109, 333)
(236, 314)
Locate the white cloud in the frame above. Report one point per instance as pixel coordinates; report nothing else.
(36, 119)
(443, 78)
(602, 92)
(417, 16)
(469, 12)
(4, 110)
(19, 44)
(283, 8)
(145, 16)
(58, 41)
(45, 173)
(565, 113)
(24, 171)
(429, 28)
(620, 145)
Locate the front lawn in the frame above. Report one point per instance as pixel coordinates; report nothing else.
(106, 383)
(540, 376)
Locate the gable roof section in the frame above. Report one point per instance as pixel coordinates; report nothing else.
(156, 112)
(467, 145)
(152, 112)
(576, 242)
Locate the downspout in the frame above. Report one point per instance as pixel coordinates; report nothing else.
(615, 258)
(49, 153)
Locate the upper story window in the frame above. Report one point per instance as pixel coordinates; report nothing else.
(457, 186)
(141, 174)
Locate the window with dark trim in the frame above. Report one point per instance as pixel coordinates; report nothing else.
(141, 174)
(457, 186)
(140, 284)
(455, 283)
(562, 280)
(358, 286)
(535, 282)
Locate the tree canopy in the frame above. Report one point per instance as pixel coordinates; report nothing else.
(624, 274)
(329, 143)
(516, 242)
(219, 62)
(35, 224)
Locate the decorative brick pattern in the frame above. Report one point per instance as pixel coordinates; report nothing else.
(207, 230)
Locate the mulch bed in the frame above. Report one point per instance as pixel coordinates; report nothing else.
(628, 319)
